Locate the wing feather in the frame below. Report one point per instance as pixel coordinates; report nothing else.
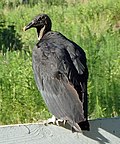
(66, 104)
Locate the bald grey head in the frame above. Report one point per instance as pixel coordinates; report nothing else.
(42, 23)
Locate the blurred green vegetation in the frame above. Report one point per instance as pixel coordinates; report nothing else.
(94, 25)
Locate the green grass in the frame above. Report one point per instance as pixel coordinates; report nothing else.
(20, 100)
(92, 25)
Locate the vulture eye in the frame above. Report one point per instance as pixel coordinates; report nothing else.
(39, 19)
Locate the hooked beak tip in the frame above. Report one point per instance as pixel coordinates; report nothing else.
(24, 29)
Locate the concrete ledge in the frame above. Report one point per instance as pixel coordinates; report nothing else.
(102, 131)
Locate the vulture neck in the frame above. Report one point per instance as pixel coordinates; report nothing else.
(41, 32)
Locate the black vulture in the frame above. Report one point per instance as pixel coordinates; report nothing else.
(60, 73)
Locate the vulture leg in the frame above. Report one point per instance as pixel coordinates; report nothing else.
(54, 121)
(50, 120)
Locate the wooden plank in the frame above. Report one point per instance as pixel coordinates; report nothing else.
(102, 131)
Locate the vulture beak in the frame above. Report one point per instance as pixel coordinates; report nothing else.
(30, 25)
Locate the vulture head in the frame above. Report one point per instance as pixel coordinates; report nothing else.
(42, 23)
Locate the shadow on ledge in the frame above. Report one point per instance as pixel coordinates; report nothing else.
(104, 130)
